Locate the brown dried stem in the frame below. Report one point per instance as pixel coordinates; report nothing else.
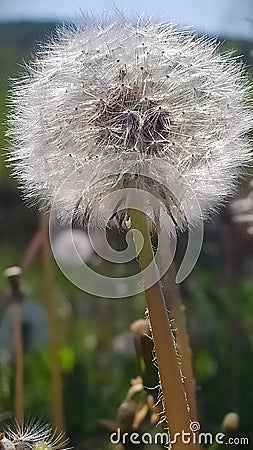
(16, 296)
(175, 404)
(175, 305)
(19, 357)
(50, 298)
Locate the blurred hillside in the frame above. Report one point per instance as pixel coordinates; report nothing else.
(19, 39)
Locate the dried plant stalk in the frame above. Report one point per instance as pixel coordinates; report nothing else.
(19, 366)
(175, 404)
(174, 304)
(57, 401)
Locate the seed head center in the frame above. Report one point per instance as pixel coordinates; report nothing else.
(128, 120)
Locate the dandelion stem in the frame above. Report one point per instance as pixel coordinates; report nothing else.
(50, 297)
(174, 399)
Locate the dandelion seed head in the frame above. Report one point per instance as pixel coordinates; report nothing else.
(6, 444)
(111, 105)
(35, 435)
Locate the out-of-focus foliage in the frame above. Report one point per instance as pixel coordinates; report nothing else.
(96, 351)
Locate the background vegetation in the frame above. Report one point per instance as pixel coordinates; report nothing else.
(97, 357)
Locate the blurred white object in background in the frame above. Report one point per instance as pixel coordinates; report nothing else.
(63, 243)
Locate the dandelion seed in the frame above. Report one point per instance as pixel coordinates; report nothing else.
(33, 436)
(115, 104)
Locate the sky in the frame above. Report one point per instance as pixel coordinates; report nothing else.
(231, 18)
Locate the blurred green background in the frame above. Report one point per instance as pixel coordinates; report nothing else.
(97, 357)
